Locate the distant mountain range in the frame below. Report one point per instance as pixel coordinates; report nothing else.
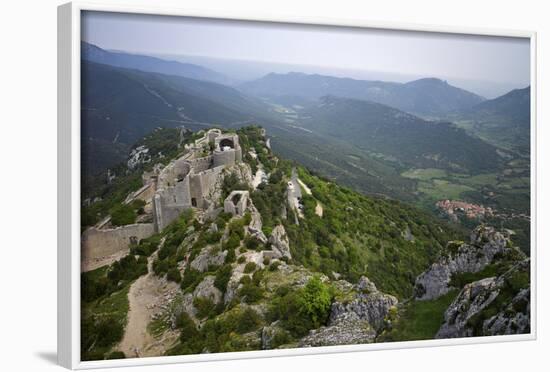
(93, 53)
(428, 96)
(504, 121)
(514, 106)
(360, 133)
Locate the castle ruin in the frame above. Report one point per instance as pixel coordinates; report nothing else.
(186, 182)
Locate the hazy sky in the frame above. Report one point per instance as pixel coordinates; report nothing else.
(460, 57)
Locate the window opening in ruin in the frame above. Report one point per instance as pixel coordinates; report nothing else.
(226, 144)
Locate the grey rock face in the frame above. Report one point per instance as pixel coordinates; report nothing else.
(485, 243)
(206, 289)
(464, 317)
(279, 241)
(255, 226)
(473, 298)
(268, 333)
(206, 258)
(369, 305)
(407, 234)
(365, 285)
(510, 322)
(347, 329)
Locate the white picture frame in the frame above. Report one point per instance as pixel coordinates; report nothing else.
(69, 37)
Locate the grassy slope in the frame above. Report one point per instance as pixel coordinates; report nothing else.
(419, 320)
(103, 323)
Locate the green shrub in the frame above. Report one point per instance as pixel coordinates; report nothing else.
(249, 267)
(167, 250)
(241, 259)
(281, 337)
(174, 275)
(213, 237)
(222, 277)
(237, 227)
(138, 205)
(231, 183)
(248, 320)
(315, 301)
(251, 243)
(205, 307)
(147, 246)
(123, 214)
(230, 257)
(303, 309)
(108, 333)
(245, 279)
(222, 219)
(126, 269)
(233, 242)
(191, 279)
(251, 293)
(257, 277)
(190, 337)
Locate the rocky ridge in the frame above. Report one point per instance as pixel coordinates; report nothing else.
(356, 319)
(486, 243)
(491, 306)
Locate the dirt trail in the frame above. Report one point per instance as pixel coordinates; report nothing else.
(146, 297)
(318, 207)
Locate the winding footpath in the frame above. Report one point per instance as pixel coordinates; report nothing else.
(144, 298)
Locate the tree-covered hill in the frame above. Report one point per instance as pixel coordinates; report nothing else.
(504, 121)
(405, 137)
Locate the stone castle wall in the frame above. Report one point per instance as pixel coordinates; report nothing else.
(202, 184)
(170, 201)
(201, 164)
(175, 170)
(227, 157)
(98, 243)
(239, 208)
(184, 183)
(145, 193)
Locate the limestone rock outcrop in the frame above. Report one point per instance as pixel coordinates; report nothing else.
(347, 329)
(369, 304)
(255, 225)
(206, 258)
(279, 242)
(206, 289)
(485, 243)
(491, 306)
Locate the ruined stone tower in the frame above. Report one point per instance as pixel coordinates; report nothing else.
(188, 180)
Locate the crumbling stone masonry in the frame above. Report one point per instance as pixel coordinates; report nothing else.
(186, 182)
(236, 203)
